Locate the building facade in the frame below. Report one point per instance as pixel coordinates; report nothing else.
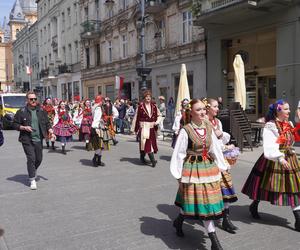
(266, 33)
(110, 43)
(59, 48)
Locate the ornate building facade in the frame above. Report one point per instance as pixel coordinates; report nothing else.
(110, 43)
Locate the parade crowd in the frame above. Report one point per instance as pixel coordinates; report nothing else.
(201, 160)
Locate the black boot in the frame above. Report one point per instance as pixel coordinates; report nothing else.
(115, 142)
(253, 209)
(52, 145)
(142, 158)
(297, 218)
(99, 162)
(227, 224)
(95, 160)
(64, 150)
(178, 225)
(215, 243)
(47, 143)
(152, 159)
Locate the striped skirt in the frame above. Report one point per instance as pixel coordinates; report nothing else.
(270, 182)
(202, 201)
(228, 192)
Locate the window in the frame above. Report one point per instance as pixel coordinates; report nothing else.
(98, 54)
(64, 91)
(110, 13)
(97, 9)
(63, 21)
(124, 46)
(64, 54)
(70, 92)
(86, 13)
(91, 92)
(69, 17)
(75, 12)
(49, 32)
(123, 4)
(110, 92)
(76, 90)
(109, 51)
(70, 54)
(87, 57)
(76, 51)
(187, 24)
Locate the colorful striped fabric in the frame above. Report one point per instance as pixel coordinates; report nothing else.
(228, 192)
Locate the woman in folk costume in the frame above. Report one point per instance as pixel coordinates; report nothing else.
(228, 192)
(48, 107)
(110, 113)
(63, 127)
(99, 137)
(275, 176)
(196, 162)
(145, 124)
(182, 118)
(86, 118)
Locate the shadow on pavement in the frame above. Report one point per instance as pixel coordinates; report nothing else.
(79, 147)
(165, 157)
(242, 214)
(164, 230)
(86, 162)
(23, 179)
(135, 161)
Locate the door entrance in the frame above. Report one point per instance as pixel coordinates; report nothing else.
(266, 94)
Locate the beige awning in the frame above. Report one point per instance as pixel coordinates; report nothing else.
(183, 89)
(239, 81)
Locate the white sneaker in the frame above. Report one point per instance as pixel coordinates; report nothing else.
(33, 185)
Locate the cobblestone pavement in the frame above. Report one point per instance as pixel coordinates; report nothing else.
(124, 205)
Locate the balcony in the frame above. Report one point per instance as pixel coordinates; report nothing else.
(155, 6)
(64, 68)
(54, 43)
(90, 29)
(44, 73)
(217, 13)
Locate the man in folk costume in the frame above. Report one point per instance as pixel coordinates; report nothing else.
(97, 140)
(109, 114)
(145, 125)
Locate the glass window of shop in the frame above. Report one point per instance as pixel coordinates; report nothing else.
(70, 92)
(110, 92)
(91, 92)
(76, 90)
(64, 91)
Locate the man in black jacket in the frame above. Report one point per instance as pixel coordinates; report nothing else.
(34, 125)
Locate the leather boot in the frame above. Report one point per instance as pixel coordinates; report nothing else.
(253, 209)
(115, 142)
(215, 244)
(47, 143)
(297, 218)
(64, 150)
(99, 162)
(152, 159)
(95, 160)
(52, 145)
(142, 158)
(178, 225)
(227, 224)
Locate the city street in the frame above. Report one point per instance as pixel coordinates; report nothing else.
(123, 205)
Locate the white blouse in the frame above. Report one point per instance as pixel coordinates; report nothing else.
(180, 149)
(271, 148)
(176, 124)
(97, 115)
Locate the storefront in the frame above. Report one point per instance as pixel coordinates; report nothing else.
(103, 86)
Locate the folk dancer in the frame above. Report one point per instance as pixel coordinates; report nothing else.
(50, 110)
(196, 163)
(145, 124)
(110, 113)
(228, 192)
(64, 127)
(275, 176)
(86, 123)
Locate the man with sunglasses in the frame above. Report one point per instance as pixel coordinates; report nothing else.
(34, 125)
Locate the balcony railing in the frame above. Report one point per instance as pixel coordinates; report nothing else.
(90, 29)
(44, 73)
(64, 68)
(213, 5)
(155, 6)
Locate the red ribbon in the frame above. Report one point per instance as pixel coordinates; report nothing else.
(286, 127)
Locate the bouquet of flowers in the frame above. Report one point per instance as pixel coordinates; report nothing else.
(231, 155)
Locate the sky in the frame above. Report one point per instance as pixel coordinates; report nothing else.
(5, 8)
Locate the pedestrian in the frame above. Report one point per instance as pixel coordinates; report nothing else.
(50, 110)
(196, 162)
(110, 114)
(275, 176)
(122, 113)
(163, 111)
(171, 110)
(145, 125)
(86, 123)
(64, 127)
(228, 191)
(34, 125)
(99, 134)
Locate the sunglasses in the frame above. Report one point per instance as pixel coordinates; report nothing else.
(33, 99)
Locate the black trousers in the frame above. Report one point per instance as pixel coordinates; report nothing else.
(34, 155)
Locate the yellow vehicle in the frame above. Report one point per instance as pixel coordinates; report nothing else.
(10, 103)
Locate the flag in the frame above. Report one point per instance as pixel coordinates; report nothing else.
(119, 84)
(28, 70)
